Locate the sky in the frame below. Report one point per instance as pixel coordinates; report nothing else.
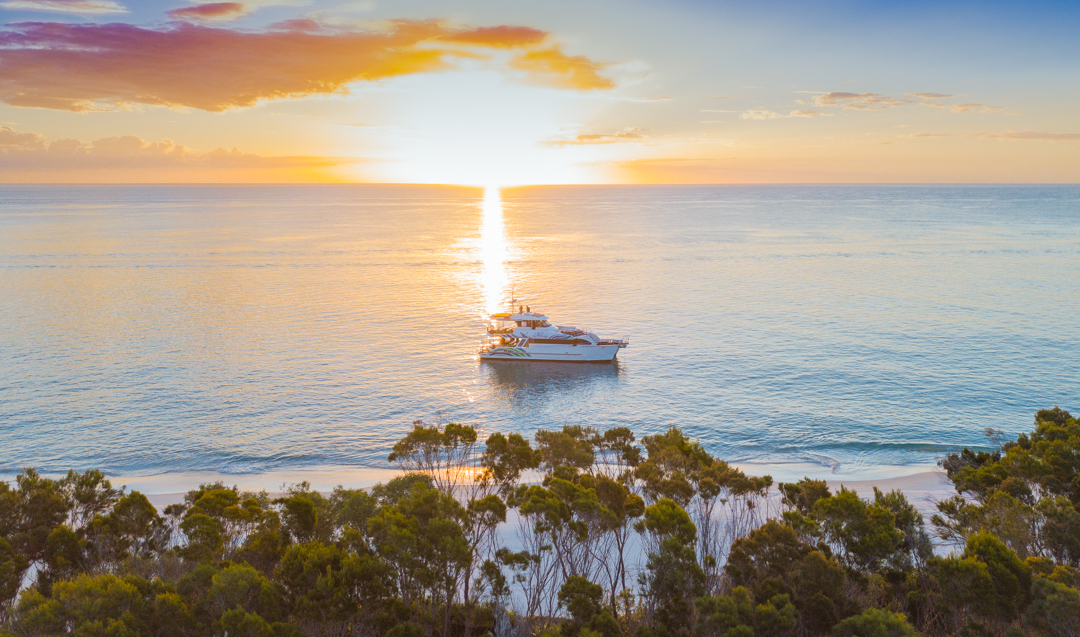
(515, 92)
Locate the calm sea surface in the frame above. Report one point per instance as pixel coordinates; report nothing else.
(856, 330)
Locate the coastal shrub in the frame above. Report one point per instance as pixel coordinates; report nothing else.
(576, 532)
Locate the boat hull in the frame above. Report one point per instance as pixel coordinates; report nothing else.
(549, 353)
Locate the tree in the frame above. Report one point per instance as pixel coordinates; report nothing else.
(445, 454)
(1054, 609)
(568, 452)
(1027, 492)
(141, 531)
(862, 534)
(333, 591)
(505, 459)
(736, 614)
(12, 567)
(583, 600)
(672, 579)
(875, 622)
(421, 537)
(89, 494)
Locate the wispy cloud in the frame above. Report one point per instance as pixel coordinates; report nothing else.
(1029, 135)
(1010, 135)
(25, 157)
(79, 67)
(210, 12)
(767, 114)
(626, 135)
(878, 101)
(79, 7)
(858, 101)
(967, 108)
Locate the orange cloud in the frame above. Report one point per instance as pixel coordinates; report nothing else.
(25, 158)
(552, 67)
(503, 37)
(210, 12)
(626, 135)
(80, 67)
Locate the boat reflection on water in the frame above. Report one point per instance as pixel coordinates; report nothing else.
(520, 382)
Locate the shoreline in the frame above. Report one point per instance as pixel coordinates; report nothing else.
(923, 486)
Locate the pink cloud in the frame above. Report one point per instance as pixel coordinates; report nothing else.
(79, 67)
(211, 11)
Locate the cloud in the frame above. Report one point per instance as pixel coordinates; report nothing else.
(24, 157)
(80, 7)
(1038, 136)
(552, 67)
(212, 11)
(1027, 135)
(767, 114)
(966, 108)
(626, 135)
(500, 37)
(858, 101)
(80, 67)
(12, 140)
(877, 101)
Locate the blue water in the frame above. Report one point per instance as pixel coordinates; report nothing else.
(856, 330)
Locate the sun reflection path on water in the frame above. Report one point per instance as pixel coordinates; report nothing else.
(494, 254)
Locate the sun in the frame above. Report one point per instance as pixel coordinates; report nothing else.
(483, 130)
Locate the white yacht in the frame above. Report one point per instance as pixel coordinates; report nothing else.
(529, 336)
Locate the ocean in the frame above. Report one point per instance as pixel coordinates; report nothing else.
(262, 331)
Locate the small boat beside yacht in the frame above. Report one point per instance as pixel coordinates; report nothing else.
(530, 336)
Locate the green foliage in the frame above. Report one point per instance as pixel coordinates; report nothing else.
(737, 614)
(1054, 609)
(583, 601)
(570, 450)
(506, 458)
(441, 453)
(420, 555)
(1011, 578)
(804, 494)
(1027, 493)
(862, 534)
(672, 462)
(332, 588)
(769, 552)
(666, 519)
(875, 622)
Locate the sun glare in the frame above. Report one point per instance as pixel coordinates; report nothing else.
(482, 131)
(494, 253)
